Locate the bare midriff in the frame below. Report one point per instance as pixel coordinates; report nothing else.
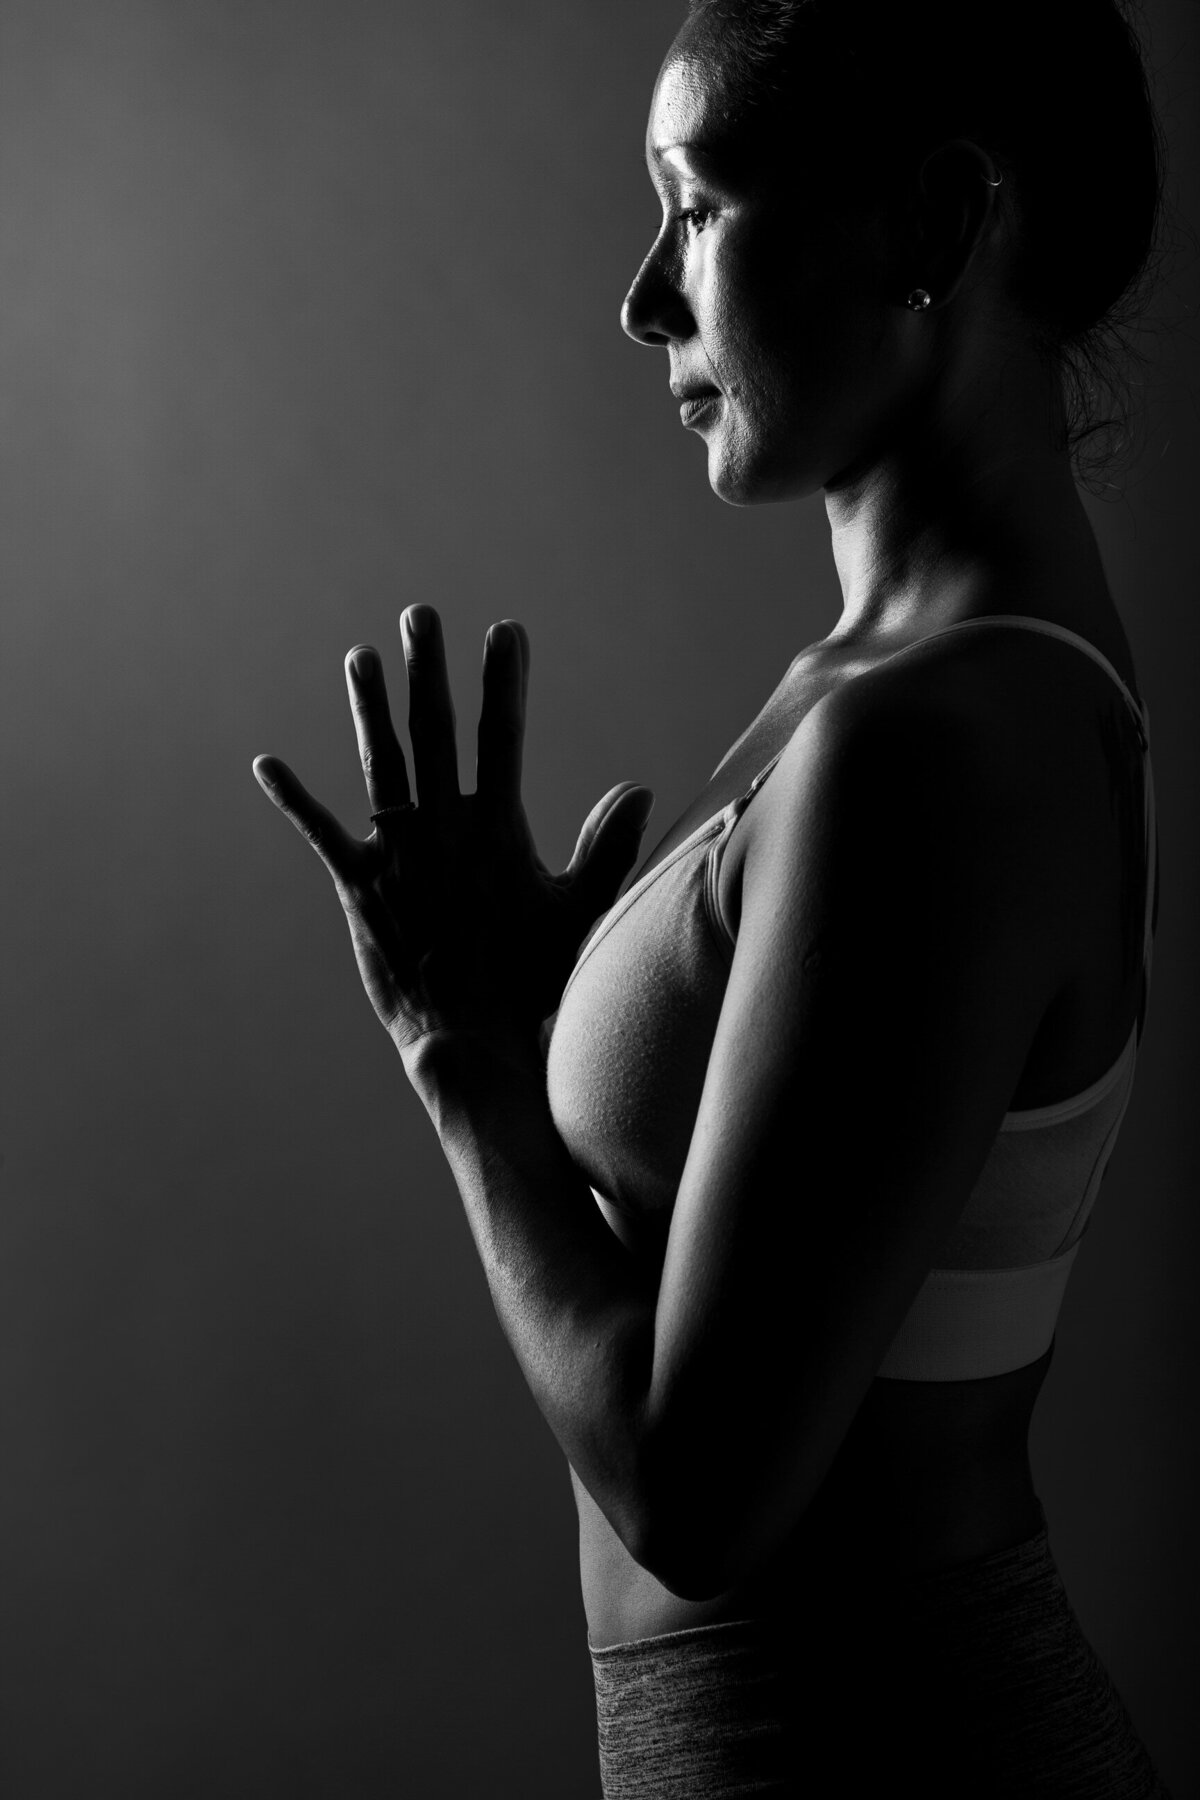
(930, 1476)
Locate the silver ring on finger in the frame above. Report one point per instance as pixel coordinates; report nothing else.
(393, 812)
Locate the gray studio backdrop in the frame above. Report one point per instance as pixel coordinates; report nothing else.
(308, 311)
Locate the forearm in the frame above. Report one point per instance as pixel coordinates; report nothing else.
(576, 1307)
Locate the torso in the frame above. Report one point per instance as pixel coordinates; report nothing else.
(932, 1473)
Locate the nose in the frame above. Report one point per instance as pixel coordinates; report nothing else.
(654, 310)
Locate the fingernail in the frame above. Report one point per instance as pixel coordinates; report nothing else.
(364, 664)
(641, 812)
(416, 622)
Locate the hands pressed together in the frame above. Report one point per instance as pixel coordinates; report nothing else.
(457, 924)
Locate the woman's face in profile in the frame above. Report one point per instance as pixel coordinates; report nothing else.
(775, 303)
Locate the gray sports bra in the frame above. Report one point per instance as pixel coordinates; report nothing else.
(629, 1050)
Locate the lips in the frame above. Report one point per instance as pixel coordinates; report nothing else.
(694, 403)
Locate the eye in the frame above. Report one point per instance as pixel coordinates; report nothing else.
(695, 215)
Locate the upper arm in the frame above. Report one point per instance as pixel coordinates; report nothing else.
(889, 974)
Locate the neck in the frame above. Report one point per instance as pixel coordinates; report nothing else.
(968, 501)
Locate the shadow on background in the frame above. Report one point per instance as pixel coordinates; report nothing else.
(308, 312)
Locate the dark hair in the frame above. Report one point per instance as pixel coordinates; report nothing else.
(1056, 91)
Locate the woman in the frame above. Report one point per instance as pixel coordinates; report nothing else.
(778, 1215)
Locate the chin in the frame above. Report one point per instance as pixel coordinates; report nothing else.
(755, 482)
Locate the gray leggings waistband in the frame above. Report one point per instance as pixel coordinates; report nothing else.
(977, 1681)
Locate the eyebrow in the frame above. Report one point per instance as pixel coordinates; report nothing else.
(664, 155)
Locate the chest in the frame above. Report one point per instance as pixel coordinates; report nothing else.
(811, 676)
(629, 1051)
(629, 1048)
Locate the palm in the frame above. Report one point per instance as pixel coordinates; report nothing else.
(456, 921)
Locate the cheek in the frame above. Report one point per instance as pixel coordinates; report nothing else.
(769, 316)
(803, 356)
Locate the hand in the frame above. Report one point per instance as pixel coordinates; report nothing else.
(456, 922)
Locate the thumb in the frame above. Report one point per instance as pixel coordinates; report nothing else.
(635, 806)
(608, 846)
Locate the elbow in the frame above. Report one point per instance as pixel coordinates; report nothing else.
(690, 1561)
(705, 1527)
(688, 1546)
(688, 1572)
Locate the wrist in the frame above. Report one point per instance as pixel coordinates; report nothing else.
(455, 1060)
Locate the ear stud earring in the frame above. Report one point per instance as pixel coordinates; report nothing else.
(918, 300)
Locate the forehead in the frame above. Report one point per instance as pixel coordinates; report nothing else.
(692, 108)
(702, 124)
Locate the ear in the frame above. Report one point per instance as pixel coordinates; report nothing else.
(955, 204)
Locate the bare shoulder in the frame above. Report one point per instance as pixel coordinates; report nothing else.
(1012, 700)
(969, 730)
(960, 762)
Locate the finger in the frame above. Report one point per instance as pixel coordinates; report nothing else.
(502, 717)
(332, 843)
(379, 749)
(430, 708)
(608, 845)
(523, 635)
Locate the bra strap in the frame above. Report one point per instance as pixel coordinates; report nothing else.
(1047, 628)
